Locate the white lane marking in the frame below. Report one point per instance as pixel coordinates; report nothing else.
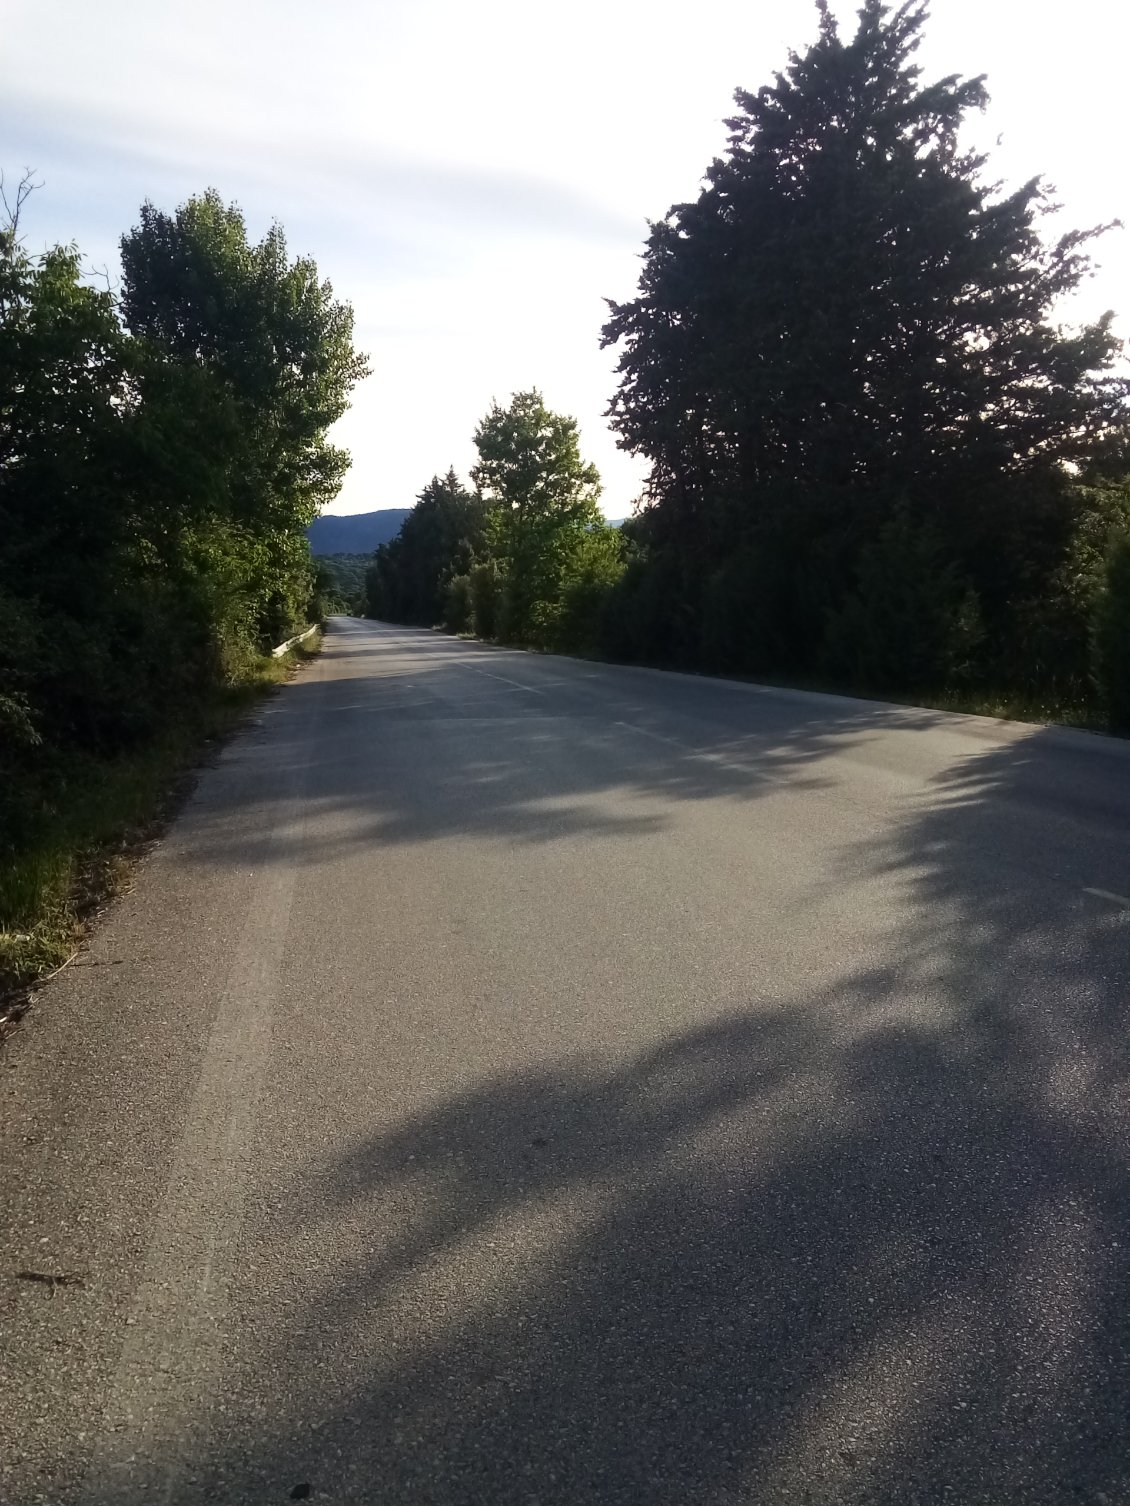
(165, 1379)
(517, 684)
(376, 704)
(670, 742)
(1115, 899)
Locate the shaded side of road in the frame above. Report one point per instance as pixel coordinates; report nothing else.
(864, 1245)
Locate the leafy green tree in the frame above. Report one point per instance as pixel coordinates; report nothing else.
(544, 502)
(268, 352)
(473, 600)
(1046, 651)
(69, 525)
(339, 584)
(154, 486)
(486, 583)
(850, 320)
(527, 556)
(154, 482)
(269, 329)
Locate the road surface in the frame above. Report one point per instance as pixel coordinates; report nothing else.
(516, 1080)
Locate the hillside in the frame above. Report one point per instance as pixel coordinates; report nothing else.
(347, 572)
(357, 534)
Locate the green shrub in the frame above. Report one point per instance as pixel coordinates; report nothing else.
(578, 626)
(1111, 635)
(651, 615)
(458, 612)
(910, 623)
(486, 587)
(592, 566)
(747, 616)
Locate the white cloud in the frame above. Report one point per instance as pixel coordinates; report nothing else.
(476, 177)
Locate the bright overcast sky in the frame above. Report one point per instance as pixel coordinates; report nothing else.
(475, 177)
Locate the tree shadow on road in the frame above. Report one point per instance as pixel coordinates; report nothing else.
(445, 748)
(864, 1245)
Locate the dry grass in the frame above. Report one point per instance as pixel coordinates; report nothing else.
(95, 819)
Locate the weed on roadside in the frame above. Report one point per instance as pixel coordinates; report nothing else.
(87, 820)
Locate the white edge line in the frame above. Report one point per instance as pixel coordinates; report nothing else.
(1115, 899)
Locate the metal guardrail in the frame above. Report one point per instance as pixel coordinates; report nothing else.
(277, 653)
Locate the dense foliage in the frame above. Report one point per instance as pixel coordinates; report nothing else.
(339, 583)
(161, 454)
(440, 536)
(1112, 633)
(867, 435)
(877, 460)
(526, 557)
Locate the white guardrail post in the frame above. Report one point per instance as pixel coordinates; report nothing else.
(277, 653)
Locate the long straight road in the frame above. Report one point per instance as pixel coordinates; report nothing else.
(516, 1080)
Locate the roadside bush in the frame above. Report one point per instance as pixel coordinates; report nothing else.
(592, 567)
(1111, 635)
(747, 617)
(911, 622)
(578, 627)
(651, 615)
(459, 608)
(485, 582)
(24, 650)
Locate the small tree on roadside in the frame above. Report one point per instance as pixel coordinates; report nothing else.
(544, 501)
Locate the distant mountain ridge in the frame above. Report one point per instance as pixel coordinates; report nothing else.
(359, 533)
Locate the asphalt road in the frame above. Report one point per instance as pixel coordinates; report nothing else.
(515, 1080)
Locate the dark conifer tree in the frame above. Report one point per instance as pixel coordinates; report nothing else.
(852, 323)
(407, 581)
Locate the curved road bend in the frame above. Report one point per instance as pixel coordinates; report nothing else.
(516, 1080)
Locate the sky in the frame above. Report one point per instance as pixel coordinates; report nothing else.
(476, 178)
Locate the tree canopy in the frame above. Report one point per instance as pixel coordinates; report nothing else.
(853, 325)
(160, 456)
(269, 332)
(527, 556)
(544, 499)
(408, 579)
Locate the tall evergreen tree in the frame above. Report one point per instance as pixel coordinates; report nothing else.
(407, 581)
(851, 322)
